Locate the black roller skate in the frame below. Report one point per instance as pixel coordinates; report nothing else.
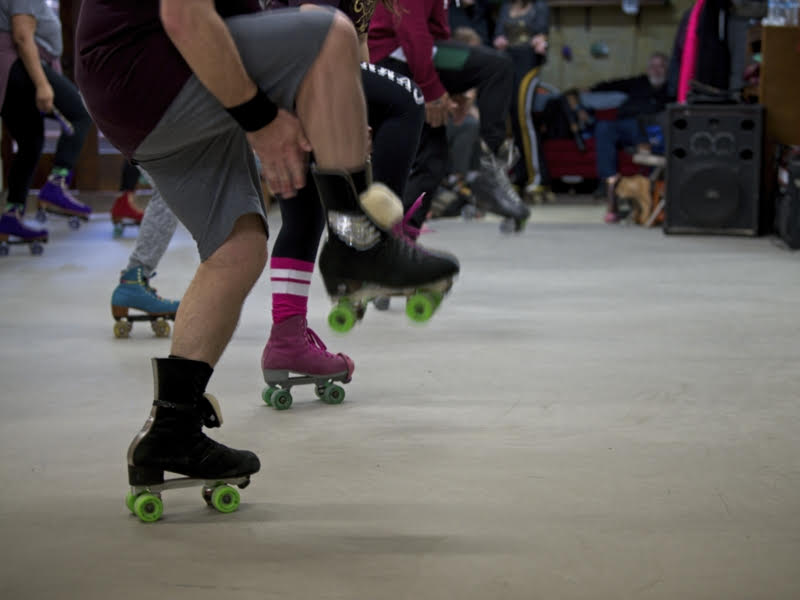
(362, 259)
(172, 440)
(494, 192)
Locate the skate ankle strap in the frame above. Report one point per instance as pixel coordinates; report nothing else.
(207, 408)
(173, 406)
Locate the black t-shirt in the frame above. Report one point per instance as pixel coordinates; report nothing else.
(128, 69)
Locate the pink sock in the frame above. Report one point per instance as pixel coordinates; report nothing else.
(291, 280)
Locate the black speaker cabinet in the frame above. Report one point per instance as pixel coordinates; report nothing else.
(713, 177)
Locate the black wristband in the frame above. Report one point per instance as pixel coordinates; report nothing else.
(256, 113)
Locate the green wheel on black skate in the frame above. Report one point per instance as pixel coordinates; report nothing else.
(148, 507)
(118, 230)
(333, 394)
(266, 395)
(342, 317)
(225, 499)
(160, 327)
(281, 399)
(129, 500)
(420, 306)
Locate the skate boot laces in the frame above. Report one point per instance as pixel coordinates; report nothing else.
(144, 282)
(314, 341)
(403, 229)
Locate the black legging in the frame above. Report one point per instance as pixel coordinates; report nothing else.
(396, 114)
(460, 68)
(25, 123)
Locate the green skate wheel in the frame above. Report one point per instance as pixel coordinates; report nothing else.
(342, 317)
(118, 229)
(281, 399)
(148, 508)
(129, 500)
(266, 395)
(160, 327)
(334, 394)
(420, 307)
(225, 499)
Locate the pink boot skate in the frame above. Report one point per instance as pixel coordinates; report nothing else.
(294, 348)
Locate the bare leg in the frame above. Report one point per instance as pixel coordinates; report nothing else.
(209, 311)
(330, 101)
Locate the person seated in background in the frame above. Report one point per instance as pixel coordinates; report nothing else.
(647, 95)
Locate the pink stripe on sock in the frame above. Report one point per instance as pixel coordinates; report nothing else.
(278, 262)
(290, 305)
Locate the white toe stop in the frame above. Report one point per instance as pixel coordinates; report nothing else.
(382, 205)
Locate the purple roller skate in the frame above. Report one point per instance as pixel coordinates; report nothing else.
(55, 198)
(294, 348)
(14, 231)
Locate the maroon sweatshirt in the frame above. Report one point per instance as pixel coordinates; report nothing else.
(415, 28)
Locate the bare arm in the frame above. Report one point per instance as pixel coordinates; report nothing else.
(202, 38)
(23, 28)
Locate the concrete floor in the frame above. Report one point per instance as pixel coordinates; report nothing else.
(596, 412)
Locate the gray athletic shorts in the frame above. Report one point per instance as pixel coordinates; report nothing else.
(199, 157)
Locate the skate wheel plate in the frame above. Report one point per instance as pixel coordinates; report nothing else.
(342, 317)
(420, 306)
(148, 507)
(281, 399)
(225, 499)
(207, 492)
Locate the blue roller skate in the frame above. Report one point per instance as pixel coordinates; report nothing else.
(134, 291)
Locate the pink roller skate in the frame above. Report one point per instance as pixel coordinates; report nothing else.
(294, 355)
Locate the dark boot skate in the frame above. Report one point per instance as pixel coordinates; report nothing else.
(494, 193)
(362, 259)
(14, 231)
(172, 440)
